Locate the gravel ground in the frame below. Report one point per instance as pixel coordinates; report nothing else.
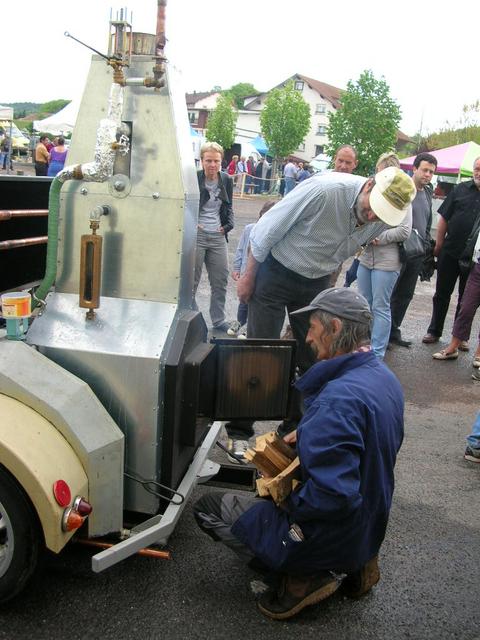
(429, 586)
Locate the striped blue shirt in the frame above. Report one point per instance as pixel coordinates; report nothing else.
(313, 229)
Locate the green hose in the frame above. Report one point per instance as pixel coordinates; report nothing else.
(52, 244)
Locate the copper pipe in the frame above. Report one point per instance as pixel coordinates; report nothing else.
(160, 35)
(8, 214)
(152, 553)
(159, 66)
(24, 242)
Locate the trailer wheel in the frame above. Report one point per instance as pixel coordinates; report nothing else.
(21, 540)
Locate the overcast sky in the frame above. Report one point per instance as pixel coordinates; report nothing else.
(424, 50)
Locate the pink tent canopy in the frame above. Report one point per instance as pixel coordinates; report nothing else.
(456, 160)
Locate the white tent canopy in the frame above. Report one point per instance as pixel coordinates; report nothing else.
(6, 113)
(61, 122)
(247, 147)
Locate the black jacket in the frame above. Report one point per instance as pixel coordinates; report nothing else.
(226, 196)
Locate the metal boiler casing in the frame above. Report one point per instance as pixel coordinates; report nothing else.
(147, 269)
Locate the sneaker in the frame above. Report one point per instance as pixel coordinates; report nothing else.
(242, 333)
(473, 455)
(233, 328)
(295, 593)
(237, 449)
(223, 326)
(476, 374)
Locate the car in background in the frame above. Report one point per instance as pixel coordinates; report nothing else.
(320, 163)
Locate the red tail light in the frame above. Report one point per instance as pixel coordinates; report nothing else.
(81, 506)
(71, 520)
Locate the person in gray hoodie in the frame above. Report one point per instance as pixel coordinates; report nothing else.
(379, 269)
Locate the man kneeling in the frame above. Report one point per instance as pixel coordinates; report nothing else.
(347, 443)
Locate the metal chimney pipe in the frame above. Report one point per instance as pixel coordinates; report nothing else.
(160, 35)
(159, 67)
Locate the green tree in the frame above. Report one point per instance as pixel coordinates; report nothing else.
(465, 129)
(368, 119)
(53, 106)
(24, 124)
(239, 92)
(285, 120)
(221, 123)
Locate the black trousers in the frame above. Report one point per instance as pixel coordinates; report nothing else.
(278, 289)
(448, 272)
(41, 168)
(403, 293)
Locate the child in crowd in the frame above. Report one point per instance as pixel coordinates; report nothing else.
(239, 326)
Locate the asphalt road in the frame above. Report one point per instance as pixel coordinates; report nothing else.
(429, 561)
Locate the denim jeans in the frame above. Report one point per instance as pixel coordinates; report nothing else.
(289, 185)
(473, 440)
(212, 250)
(242, 313)
(351, 274)
(377, 286)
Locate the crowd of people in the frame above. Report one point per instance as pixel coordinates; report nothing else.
(327, 534)
(48, 156)
(249, 175)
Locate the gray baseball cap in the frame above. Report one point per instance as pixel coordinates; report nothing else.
(341, 303)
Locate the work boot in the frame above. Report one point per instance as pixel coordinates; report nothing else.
(295, 593)
(357, 584)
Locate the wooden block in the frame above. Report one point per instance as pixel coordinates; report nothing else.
(260, 439)
(281, 445)
(250, 454)
(274, 455)
(281, 486)
(295, 483)
(271, 455)
(263, 464)
(261, 488)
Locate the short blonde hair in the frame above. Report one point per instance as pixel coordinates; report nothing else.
(211, 146)
(388, 159)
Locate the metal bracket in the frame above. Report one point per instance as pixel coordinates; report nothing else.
(208, 471)
(159, 528)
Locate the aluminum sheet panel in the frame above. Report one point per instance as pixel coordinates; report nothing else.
(120, 355)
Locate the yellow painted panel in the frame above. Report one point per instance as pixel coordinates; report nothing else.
(37, 455)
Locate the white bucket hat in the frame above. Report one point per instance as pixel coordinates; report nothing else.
(391, 195)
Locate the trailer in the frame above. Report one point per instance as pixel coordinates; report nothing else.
(111, 394)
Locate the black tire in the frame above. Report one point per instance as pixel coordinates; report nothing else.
(21, 539)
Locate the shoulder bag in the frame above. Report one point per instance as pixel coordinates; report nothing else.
(411, 248)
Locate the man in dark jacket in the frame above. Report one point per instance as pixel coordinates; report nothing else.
(424, 167)
(347, 442)
(215, 220)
